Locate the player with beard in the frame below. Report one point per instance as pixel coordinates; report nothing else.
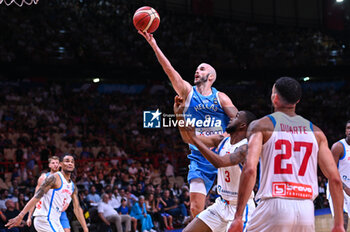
(52, 198)
(54, 165)
(203, 102)
(231, 152)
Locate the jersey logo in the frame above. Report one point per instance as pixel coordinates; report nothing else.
(67, 191)
(291, 190)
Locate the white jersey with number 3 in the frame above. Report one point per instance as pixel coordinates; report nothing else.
(55, 200)
(288, 162)
(228, 177)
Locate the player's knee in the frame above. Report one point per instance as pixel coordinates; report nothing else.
(195, 209)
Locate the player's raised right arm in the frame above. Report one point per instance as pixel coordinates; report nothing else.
(182, 87)
(50, 182)
(329, 169)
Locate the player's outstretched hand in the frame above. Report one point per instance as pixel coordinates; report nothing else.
(236, 226)
(14, 222)
(179, 104)
(149, 37)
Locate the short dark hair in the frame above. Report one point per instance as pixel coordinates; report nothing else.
(249, 117)
(289, 89)
(66, 154)
(347, 122)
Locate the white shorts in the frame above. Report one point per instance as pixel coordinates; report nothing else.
(283, 215)
(197, 186)
(41, 224)
(346, 207)
(220, 215)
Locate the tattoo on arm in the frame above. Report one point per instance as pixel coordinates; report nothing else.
(239, 155)
(46, 185)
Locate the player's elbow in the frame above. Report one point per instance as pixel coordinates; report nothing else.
(335, 181)
(249, 170)
(217, 165)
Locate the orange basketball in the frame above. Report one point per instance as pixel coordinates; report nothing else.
(146, 19)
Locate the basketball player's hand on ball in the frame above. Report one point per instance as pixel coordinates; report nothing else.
(149, 37)
(236, 225)
(14, 222)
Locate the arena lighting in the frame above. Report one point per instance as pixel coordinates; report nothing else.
(339, 0)
(306, 78)
(96, 80)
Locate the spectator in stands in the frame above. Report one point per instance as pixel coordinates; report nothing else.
(167, 218)
(124, 210)
(185, 199)
(169, 171)
(109, 215)
(3, 198)
(93, 198)
(176, 190)
(132, 169)
(10, 213)
(172, 207)
(114, 199)
(139, 212)
(21, 202)
(131, 198)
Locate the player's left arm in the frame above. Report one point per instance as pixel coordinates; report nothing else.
(227, 105)
(78, 211)
(248, 176)
(231, 159)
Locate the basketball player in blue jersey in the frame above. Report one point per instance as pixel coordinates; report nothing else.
(341, 155)
(203, 102)
(53, 196)
(54, 165)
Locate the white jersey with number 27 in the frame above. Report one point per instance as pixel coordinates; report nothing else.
(288, 162)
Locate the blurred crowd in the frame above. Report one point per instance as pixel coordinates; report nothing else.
(116, 158)
(78, 31)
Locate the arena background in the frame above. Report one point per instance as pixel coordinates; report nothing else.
(52, 53)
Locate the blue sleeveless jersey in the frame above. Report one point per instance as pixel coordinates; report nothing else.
(209, 118)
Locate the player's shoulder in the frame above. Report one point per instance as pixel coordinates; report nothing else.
(223, 96)
(262, 124)
(319, 135)
(338, 146)
(225, 100)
